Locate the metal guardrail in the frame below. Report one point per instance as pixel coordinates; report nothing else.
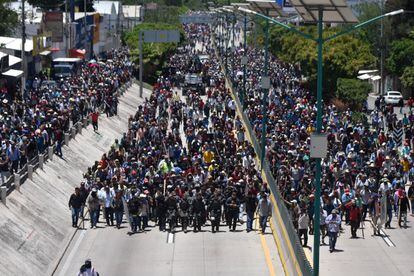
(294, 258)
(15, 180)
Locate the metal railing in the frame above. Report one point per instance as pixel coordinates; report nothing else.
(16, 179)
(294, 258)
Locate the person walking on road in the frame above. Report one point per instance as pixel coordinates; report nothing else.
(233, 209)
(94, 118)
(87, 269)
(75, 204)
(109, 211)
(303, 225)
(354, 218)
(403, 208)
(251, 206)
(118, 206)
(375, 212)
(333, 221)
(93, 205)
(265, 211)
(411, 197)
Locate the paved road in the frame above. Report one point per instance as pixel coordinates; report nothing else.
(390, 254)
(115, 252)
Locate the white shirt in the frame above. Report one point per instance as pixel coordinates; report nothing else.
(333, 223)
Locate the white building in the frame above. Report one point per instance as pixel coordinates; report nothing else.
(132, 16)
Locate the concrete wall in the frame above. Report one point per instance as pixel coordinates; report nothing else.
(35, 224)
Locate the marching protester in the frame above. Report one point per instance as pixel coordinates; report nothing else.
(180, 164)
(365, 161)
(333, 221)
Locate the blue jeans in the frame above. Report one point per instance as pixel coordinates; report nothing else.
(144, 221)
(332, 240)
(118, 217)
(263, 222)
(59, 148)
(250, 218)
(75, 216)
(94, 217)
(135, 221)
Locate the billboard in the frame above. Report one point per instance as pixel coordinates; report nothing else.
(41, 43)
(286, 6)
(196, 19)
(54, 24)
(161, 36)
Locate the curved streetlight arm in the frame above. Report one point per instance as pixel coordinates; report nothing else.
(290, 28)
(360, 25)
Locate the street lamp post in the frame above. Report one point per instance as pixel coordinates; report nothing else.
(244, 61)
(227, 37)
(265, 87)
(232, 46)
(320, 41)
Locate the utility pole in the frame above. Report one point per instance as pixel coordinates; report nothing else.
(141, 62)
(23, 57)
(84, 23)
(67, 28)
(382, 45)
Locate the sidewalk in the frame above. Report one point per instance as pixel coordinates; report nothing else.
(390, 254)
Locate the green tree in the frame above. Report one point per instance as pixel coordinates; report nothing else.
(8, 17)
(353, 92)
(401, 25)
(407, 79)
(343, 57)
(154, 54)
(401, 56)
(371, 33)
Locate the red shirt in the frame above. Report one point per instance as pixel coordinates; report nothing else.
(94, 116)
(354, 214)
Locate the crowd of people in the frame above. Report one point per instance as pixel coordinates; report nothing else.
(368, 173)
(29, 125)
(184, 161)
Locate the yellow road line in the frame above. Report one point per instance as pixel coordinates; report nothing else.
(267, 255)
(279, 248)
(281, 223)
(265, 249)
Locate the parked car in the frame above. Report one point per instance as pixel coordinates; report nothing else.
(393, 97)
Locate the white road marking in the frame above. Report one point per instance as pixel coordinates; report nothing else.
(387, 239)
(170, 238)
(72, 254)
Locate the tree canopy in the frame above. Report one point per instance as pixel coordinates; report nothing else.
(343, 57)
(353, 92)
(401, 55)
(8, 17)
(154, 54)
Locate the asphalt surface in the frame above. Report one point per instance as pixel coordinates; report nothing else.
(117, 252)
(388, 254)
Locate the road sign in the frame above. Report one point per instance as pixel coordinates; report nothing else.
(319, 145)
(161, 36)
(196, 19)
